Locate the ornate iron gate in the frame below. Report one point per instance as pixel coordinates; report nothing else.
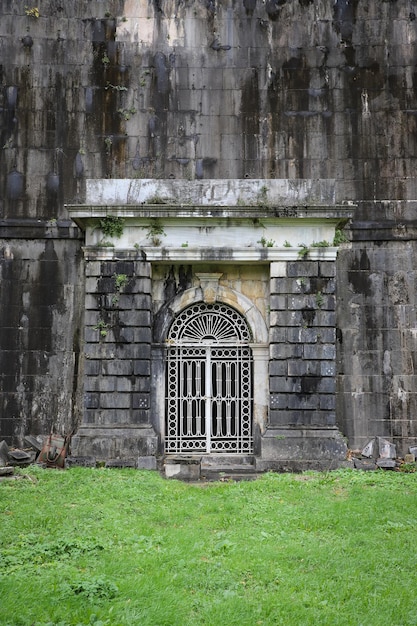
(209, 382)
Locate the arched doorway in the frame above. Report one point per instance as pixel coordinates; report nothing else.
(209, 382)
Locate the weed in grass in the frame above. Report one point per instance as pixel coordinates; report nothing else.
(34, 550)
(408, 468)
(92, 588)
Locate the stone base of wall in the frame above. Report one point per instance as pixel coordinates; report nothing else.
(299, 449)
(114, 443)
(280, 449)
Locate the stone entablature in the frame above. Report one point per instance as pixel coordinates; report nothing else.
(248, 221)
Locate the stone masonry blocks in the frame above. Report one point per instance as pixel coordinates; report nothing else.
(302, 268)
(302, 335)
(117, 343)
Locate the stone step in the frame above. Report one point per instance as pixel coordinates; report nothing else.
(213, 476)
(224, 467)
(211, 467)
(228, 462)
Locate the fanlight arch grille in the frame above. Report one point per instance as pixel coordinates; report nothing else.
(209, 382)
(202, 322)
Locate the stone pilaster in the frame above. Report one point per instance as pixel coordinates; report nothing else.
(116, 421)
(302, 367)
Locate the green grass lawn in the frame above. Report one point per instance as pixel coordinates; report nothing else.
(124, 547)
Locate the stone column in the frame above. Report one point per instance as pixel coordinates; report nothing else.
(260, 391)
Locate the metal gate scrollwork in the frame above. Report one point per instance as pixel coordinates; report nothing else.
(209, 382)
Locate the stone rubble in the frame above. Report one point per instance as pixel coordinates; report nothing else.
(379, 453)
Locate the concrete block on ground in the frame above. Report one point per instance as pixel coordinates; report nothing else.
(182, 469)
(365, 464)
(302, 465)
(387, 450)
(21, 458)
(369, 450)
(4, 453)
(385, 463)
(34, 442)
(118, 442)
(6, 471)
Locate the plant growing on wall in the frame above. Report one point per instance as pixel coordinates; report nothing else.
(262, 198)
(126, 114)
(102, 327)
(319, 299)
(155, 232)
(120, 282)
(32, 12)
(339, 237)
(303, 253)
(321, 244)
(157, 199)
(142, 81)
(112, 226)
(266, 243)
(108, 143)
(9, 144)
(115, 87)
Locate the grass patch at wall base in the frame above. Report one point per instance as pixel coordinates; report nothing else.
(123, 547)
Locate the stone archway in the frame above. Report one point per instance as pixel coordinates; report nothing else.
(233, 298)
(209, 382)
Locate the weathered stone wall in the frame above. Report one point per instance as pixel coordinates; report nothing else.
(377, 343)
(118, 342)
(283, 89)
(251, 281)
(302, 344)
(41, 287)
(210, 89)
